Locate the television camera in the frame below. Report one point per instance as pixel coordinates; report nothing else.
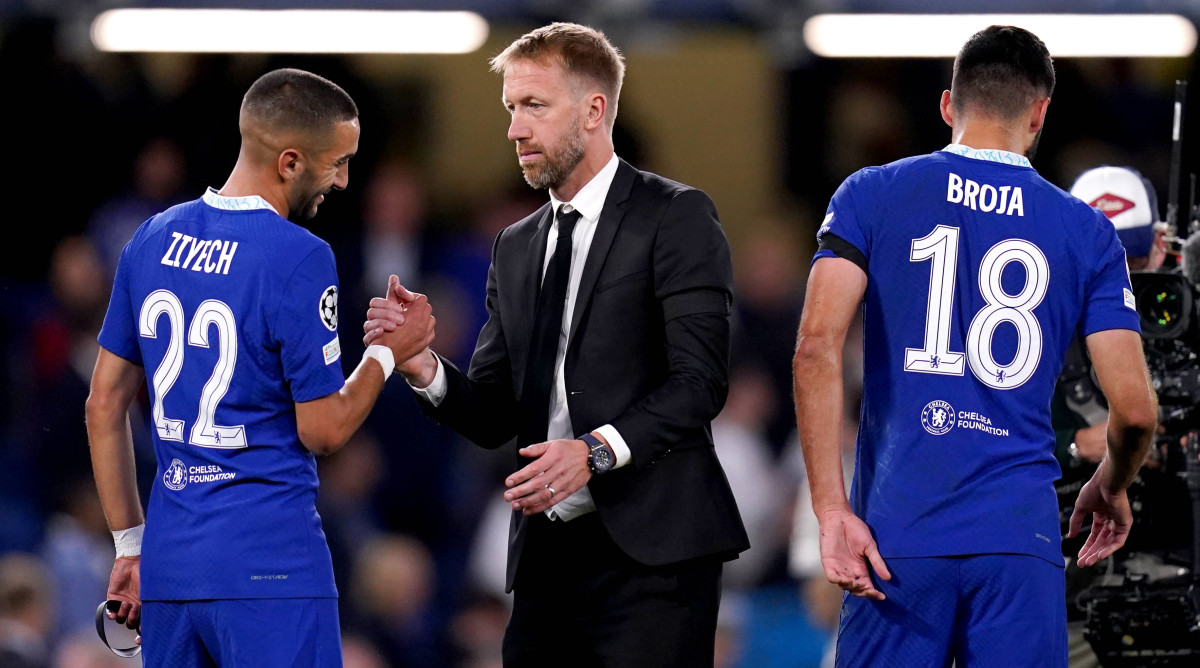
(1142, 605)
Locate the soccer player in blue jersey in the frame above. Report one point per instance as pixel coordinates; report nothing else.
(228, 310)
(973, 274)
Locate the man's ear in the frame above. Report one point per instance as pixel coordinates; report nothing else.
(947, 108)
(597, 106)
(1037, 115)
(290, 164)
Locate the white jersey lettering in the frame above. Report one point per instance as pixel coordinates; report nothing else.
(985, 197)
(176, 236)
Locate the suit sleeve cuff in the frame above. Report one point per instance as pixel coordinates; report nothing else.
(618, 445)
(437, 389)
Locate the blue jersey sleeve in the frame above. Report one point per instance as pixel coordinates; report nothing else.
(843, 232)
(119, 335)
(1109, 302)
(306, 328)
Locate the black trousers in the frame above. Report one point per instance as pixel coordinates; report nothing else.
(580, 602)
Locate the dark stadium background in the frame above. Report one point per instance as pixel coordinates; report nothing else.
(720, 94)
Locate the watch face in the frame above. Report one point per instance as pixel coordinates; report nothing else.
(602, 459)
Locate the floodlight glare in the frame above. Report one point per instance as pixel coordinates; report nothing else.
(942, 35)
(288, 31)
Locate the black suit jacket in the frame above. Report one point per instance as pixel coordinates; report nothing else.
(648, 352)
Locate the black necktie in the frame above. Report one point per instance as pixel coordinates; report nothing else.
(547, 327)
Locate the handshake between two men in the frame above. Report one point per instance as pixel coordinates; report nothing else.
(559, 467)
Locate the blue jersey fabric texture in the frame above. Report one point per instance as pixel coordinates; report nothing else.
(982, 611)
(258, 632)
(980, 273)
(232, 310)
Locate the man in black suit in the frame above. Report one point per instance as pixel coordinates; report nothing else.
(605, 355)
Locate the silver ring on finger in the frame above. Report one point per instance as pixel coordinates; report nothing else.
(551, 491)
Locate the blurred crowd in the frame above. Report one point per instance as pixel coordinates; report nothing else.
(413, 514)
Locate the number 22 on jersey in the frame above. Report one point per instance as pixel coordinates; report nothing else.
(205, 432)
(941, 247)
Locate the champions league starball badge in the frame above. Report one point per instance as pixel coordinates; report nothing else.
(937, 417)
(328, 308)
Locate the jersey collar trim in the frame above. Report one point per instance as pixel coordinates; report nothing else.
(989, 154)
(247, 203)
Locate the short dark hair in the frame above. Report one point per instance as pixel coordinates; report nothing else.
(1001, 70)
(297, 100)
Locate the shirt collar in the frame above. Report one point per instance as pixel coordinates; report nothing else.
(589, 201)
(989, 154)
(247, 203)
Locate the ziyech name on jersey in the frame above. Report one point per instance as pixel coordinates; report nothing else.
(207, 255)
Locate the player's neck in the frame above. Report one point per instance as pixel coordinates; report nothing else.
(985, 135)
(244, 182)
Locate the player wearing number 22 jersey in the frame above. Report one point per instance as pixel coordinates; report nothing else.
(232, 310)
(980, 273)
(227, 310)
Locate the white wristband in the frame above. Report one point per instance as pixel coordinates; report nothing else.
(384, 356)
(129, 541)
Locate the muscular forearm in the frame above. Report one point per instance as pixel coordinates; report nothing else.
(113, 465)
(327, 423)
(358, 396)
(1132, 407)
(817, 378)
(1128, 444)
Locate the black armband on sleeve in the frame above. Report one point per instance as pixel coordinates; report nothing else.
(843, 249)
(696, 301)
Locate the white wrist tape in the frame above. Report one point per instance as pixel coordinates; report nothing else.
(384, 356)
(129, 541)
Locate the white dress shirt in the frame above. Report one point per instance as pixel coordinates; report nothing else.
(589, 201)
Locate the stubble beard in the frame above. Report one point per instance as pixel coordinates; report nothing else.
(305, 213)
(1033, 147)
(558, 162)
(307, 210)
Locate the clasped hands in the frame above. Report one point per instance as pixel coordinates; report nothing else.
(559, 468)
(404, 322)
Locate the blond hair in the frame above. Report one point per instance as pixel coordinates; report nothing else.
(584, 53)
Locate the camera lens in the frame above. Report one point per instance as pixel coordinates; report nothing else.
(1164, 304)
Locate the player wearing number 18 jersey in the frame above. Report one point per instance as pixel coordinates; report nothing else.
(974, 274)
(229, 310)
(980, 272)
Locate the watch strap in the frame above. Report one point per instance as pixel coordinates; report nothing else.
(596, 446)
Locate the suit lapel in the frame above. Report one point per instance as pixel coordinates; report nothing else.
(606, 231)
(535, 261)
(531, 281)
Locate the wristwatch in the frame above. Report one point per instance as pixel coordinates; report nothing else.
(600, 455)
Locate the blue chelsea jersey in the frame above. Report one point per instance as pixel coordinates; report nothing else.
(980, 273)
(232, 310)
